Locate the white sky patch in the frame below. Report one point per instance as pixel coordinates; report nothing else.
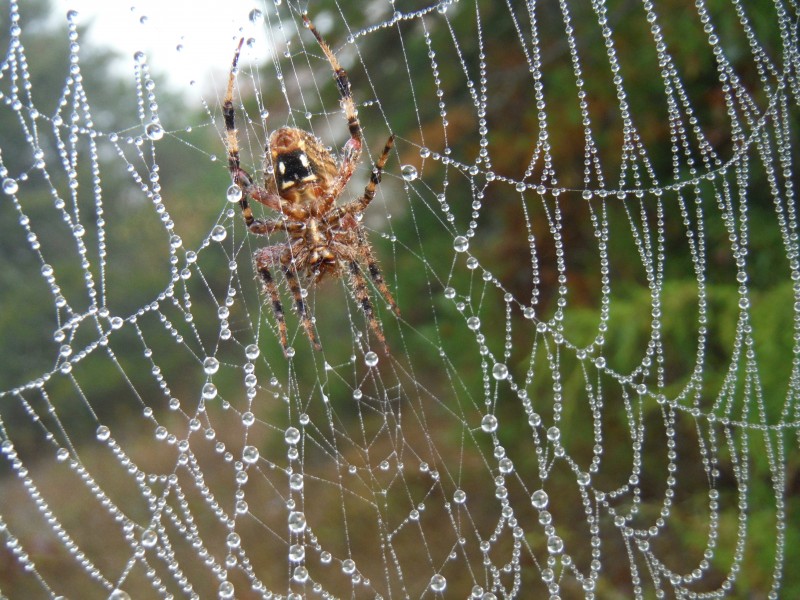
(184, 40)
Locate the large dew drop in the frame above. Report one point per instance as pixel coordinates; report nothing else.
(499, 371)
(489, 423)
(154, 131)
(250, 455)
(219, 233)
(409, 172)
(460, 244)
(539, 499)
(234, 193)
(10, 186)
(210, 365)
(297, 522)
(438, 583)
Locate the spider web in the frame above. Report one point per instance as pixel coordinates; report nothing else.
(589, 224)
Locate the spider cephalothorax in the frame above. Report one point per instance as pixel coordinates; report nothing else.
(303, 181)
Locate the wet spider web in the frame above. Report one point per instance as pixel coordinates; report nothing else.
(589, 224)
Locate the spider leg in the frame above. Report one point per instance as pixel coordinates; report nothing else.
(360, 204)
(352, 149)
(362, 296)
(300, 304)
(266, 227)
(241, 177)
(375, 272)
(263, 260)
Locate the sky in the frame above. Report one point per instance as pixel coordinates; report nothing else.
(205, 31)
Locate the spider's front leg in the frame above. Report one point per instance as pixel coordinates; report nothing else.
(240, 177)
(352, 149)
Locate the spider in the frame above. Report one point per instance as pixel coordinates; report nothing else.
(303, 180)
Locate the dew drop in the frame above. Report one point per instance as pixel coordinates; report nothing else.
(296, 481)
(371, 359)
(209, 391)
(539, 499)
(325, 557)
(474, 323)
(459, 496)
(252, 352)
(460, 244)
(409, 172)
(210, 365)
(234, 193)
(297, 552)
(297, 522)
(225, 590)
(154, 131)
(219, 233)
(119, 594)
(292, 435)
(149, 538)
(500, 371)
(348, 566)
(555, 545)
(489, 423)
(300, 574)
(438, 583)
(250, 455)
(10, 186)
(103, 433)
(255, 16)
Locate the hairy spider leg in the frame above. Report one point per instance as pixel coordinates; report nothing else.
(362, 296)
(375, 272)
(360, 204)
(300, 303)
(241, 177)
(272, 290)
(352, 149)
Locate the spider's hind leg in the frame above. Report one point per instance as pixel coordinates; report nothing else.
(300, 304)
(263, 261)
(362, 296)
(375, 272)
